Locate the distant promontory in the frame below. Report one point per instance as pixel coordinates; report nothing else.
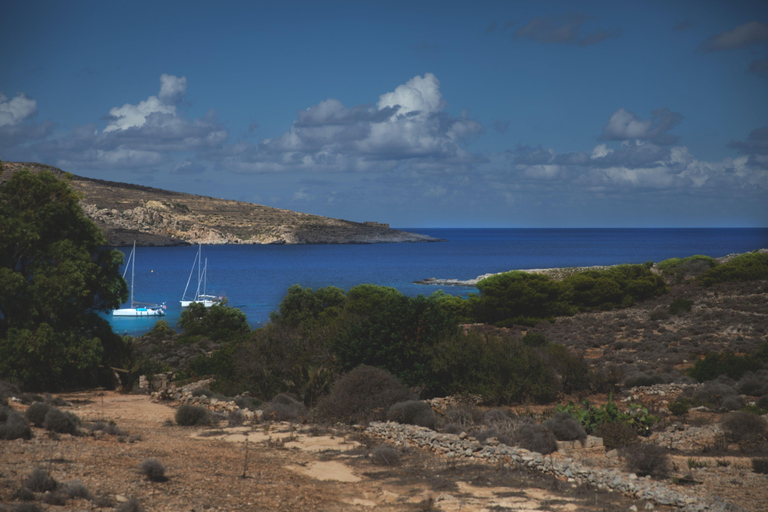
(156, 217)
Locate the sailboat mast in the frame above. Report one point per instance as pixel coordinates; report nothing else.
(133, 267)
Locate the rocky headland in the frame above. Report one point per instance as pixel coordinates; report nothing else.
(156, 217)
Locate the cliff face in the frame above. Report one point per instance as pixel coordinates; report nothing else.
(158, 217)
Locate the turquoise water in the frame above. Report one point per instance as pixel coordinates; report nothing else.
(255, 278)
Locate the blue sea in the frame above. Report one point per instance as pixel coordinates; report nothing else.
(255, 278)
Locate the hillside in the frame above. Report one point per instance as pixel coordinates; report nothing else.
(159, 217)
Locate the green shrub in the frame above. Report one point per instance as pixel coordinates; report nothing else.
(13, 425)
(534, 339)
(153, 469)
(535, 438)
(680, 306)
(681, 269)
(412, 412)
(61, 422)
(362, 395)
(752, 266)
(727, 363)
(192, 415)
(680, 406)
(36, 413)
(645, 459)
(565, 427)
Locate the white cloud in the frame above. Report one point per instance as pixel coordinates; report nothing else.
(741, 36)
(420, 94)
(625, 125)
(15, 111)
(172, 89)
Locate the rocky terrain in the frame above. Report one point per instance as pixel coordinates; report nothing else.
(158, 217)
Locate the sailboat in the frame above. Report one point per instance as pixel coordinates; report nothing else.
(202, 280)
(138, 308)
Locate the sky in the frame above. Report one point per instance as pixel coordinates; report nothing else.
(418, 114)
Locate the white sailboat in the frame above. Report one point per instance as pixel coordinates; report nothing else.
(202, 280)
(138, 308)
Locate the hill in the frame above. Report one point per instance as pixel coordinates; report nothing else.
(152, 216)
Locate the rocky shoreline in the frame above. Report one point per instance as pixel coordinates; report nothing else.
(554, 273)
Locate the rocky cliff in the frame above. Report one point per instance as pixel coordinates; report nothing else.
(152, 216)
(158, 217)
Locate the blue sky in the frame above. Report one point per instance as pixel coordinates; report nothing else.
(420, 113)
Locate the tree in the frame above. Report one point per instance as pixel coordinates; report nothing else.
(55, 276)
(219, 322)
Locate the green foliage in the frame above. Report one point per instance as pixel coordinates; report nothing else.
(521, 294)
(679, 306)
(616, 435)
(680, 406)
(412, 412)
(619, 286)
(534, 339)
(219, 322)
(55, 276)
(303, 306)
(591, 416)
(751, 266)
(680, 269)
(727, 363)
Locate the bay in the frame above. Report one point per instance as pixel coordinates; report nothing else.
(255, 278)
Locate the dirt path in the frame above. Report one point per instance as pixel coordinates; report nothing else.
(288, 468)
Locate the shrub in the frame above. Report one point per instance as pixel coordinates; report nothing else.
(726, 363)
(362, 395)
(132, 505)
(40, 481)
(616, 435)
(153, 469)
(565, 427)
(385, 456)
(760, 465)
(536, 438)
(13, 425)
(247, 402)
(744, 428)
(713, 392)
(284, 407)
(235, 418)
(192, 415)
(659, 314)
(752, 266)
(643, 379)
(36, 413)
(76, 489)
(58, 498)
(61, 422)
(680, 406)
(750, 386)
(7, 390)
(762, 402)
(645, 459)
(732, 403)
(679, 306)
(412, 412)
(466, 416)
(28, 507)
(534, 339)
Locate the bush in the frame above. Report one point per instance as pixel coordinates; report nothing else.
(565, 427)
(385, 456)
(616, 435)
(132, 505)
(412, 412)
(713, 392)
(643, 379)
(536, 438)
(750, 386)
(534, 339)
(39, 481)
(680, 406)
(679, 306)
(760, 465)
(362, 395)
(284, 407)
(76, 489)
(36, 413)
(732, 403)
(153, 469)
(645, 459)
(762, 402)
(726, 363)
(752, 266)
(61, 422)
(13, 425)
(192, 415)
(235, 418)
(744, 428)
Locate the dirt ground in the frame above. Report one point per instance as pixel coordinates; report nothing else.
(286, 468)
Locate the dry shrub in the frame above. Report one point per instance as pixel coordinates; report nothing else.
(13, 425)
(565, 427)
(36, 413)
(616, 435)
(744, 428)
(192, 415)
(362, 395)
(645, 459)
(464, 415)
(235, 418)
(153, 469)
(385, 456)
(132, 505)
(76, 489)
(61, 422)
(760, 465)
(40, 481)
(412, 412)
(284, 407)
(536, 438)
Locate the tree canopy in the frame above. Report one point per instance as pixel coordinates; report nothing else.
(55, 276)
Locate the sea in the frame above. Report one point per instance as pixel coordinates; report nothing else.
(255, 278)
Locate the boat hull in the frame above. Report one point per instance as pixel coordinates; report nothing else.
(139, 312)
